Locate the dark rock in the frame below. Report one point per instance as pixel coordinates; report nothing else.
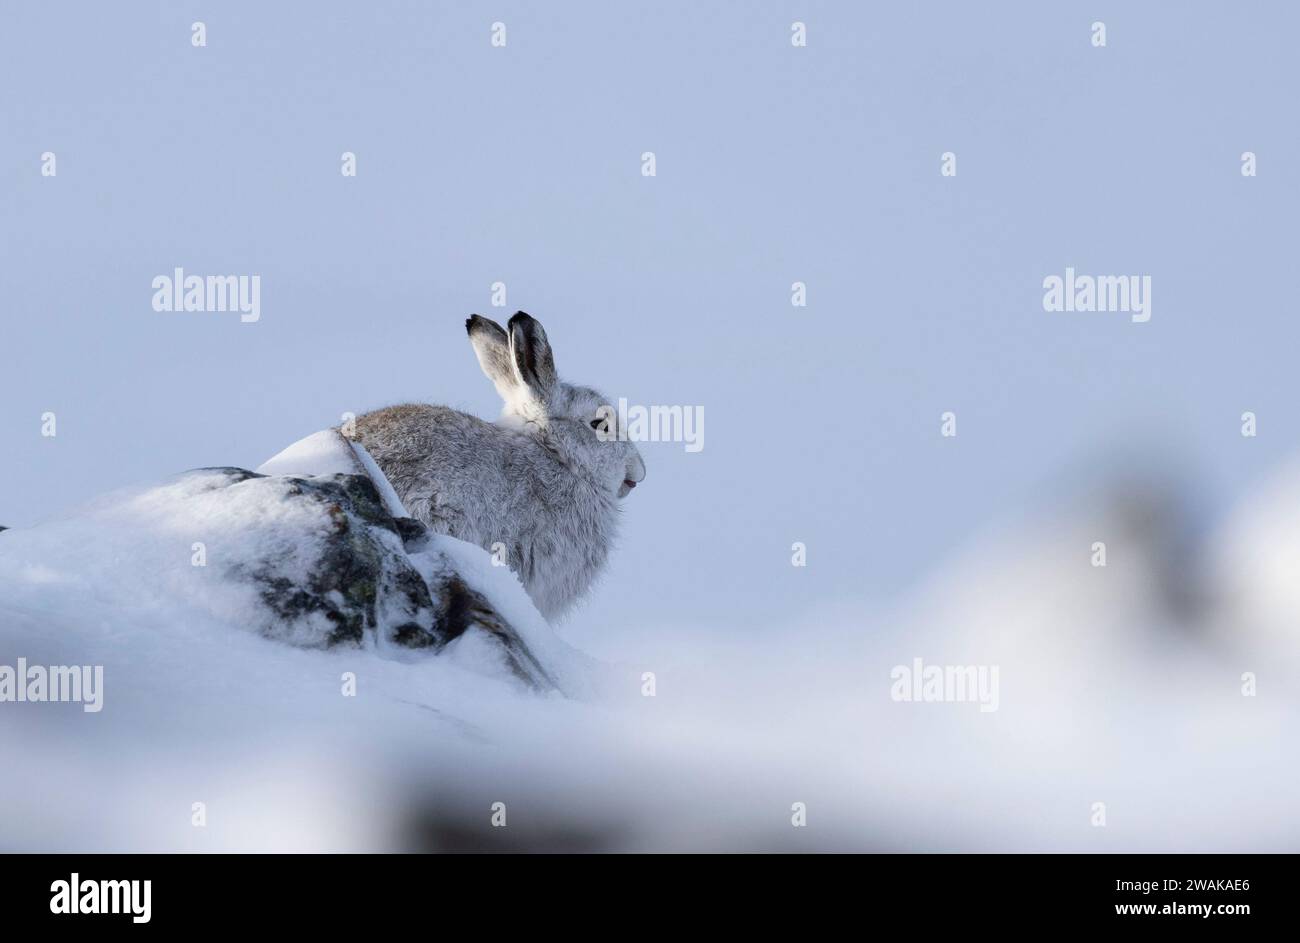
(345, 572)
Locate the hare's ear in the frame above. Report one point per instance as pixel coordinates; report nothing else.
(530, 352)
(492, 348)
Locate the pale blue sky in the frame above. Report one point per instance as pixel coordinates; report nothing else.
(775, 164)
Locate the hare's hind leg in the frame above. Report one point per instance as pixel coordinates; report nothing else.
(435, 515)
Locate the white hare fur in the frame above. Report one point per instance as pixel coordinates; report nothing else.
(544, 481)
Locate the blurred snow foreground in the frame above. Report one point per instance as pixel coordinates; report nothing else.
(335, 679)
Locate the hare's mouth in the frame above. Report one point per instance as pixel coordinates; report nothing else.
(626, 488)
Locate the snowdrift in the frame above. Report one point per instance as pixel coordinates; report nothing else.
(220, 730)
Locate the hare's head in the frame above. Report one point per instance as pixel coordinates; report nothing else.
(577, 424)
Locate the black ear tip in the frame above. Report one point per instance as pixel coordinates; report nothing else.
(524, 322)
(476, 322)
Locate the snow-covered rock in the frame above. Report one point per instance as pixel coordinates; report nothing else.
(313, 551)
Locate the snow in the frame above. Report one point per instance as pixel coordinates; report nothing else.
(1111, 691)
(328, 453)
(1259, 555)
(321, 453)
(391, 501)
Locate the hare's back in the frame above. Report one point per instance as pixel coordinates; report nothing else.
(410, 432)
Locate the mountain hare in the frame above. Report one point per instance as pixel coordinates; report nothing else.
(544, 481)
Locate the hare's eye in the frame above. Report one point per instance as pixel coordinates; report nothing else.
(598, 425)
